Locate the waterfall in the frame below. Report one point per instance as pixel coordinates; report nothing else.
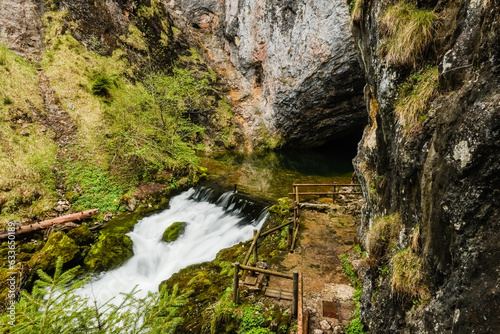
(213, 222)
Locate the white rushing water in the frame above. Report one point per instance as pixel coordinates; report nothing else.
(210, 228)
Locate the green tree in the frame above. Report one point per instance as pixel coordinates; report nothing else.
(53, 307)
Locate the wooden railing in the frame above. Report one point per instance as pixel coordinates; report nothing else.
(297, 287)
(334, 190)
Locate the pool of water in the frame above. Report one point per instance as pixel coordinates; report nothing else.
(270, 175)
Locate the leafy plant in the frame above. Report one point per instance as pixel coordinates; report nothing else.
(355, 327)
(251, 321)
(407, 32)
(93, 187)
(54, 307)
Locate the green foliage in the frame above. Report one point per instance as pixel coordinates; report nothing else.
(53, 307)
(281, 208)
(222, 311)
(101, 85)
(407, 33)
(415, 95)
(150, 127)
(355, 327)
(251, 321)
(174, 231)
(347, 266)
(93, 187)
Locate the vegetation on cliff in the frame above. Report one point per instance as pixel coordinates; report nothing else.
(126, 122)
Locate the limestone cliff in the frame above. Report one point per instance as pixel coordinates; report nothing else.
(436, 165)
(291, 65)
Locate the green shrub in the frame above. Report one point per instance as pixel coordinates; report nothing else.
(101, 85)
(251, 321)
(53, 307)
(407, 32)
(355, 327)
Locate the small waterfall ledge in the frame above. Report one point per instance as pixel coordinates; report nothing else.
(214, 222)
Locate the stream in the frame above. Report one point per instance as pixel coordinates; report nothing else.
(215, 220)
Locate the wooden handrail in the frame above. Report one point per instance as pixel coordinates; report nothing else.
(265, 271)
(328, 193)
(326, 184)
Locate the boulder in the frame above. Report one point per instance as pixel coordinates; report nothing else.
(174, 231)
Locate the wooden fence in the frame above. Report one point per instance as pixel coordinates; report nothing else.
(333, 190)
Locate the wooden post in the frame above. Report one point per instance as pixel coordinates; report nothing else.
(295, 291)
(334, 196)
(255, 256)
(235, 188)
(289, 237)
(295, 214)
(296, 190)
(300, 311)
(236, 288)
(254, 244)
(306, 322)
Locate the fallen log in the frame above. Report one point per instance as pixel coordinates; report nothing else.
(47, 223)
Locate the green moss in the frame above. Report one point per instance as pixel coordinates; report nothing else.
(174, 231)
(134, 38)
(113, 247)
(58, 245)
(81, 235)
(108, 252)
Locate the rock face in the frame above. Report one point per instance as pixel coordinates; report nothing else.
(291, 65)
(442, 174)
(21, 26)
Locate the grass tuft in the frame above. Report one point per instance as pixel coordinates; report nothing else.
(415, 95)
(383, 236)
(407, 33)
(407, 275)
(356, 8)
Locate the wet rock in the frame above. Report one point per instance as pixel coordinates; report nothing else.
(108, 252)
(21, 26)
(173, 232)
(58, 245)
(442, 174)
(81, 235)
(291, 66)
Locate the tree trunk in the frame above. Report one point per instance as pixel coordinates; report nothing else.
(47, 223)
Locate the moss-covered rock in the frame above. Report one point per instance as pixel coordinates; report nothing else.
(174, 231)
(58, 245)
(108, 252)
(81, 235)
